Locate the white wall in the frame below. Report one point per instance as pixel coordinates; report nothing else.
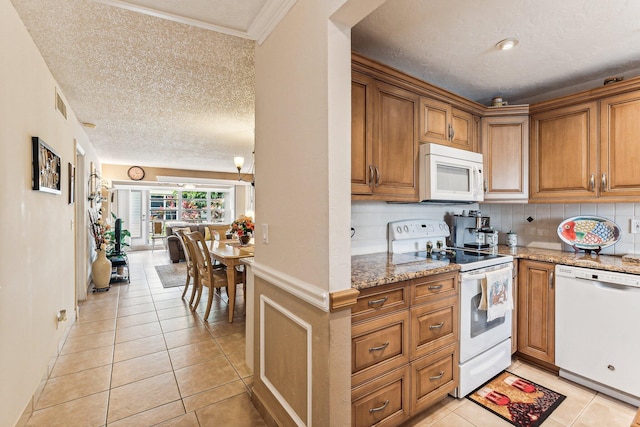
(37, 256)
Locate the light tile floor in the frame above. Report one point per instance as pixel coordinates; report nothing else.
(138, 356)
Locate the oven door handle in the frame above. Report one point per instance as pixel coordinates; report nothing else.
(479, 274)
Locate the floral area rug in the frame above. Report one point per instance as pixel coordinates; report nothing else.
(521, 402)
(172, 275)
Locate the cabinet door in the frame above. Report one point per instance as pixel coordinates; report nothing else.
(361, 133)
(435, 118)
(620, 145)
(505, 148)
(396, 143)
(462, 130)
(563, 153)
(536, 310)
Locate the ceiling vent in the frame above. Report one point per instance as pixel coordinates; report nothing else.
(60, 105)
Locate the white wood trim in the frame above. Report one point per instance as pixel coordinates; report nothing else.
(262, 25)
(263, 301)
(296, 287)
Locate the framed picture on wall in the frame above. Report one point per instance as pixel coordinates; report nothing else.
(46, 167)
(72, 183)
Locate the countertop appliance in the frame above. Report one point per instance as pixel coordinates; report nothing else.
(597, 336)
(471, 230)
(450, 175)
(485, 347)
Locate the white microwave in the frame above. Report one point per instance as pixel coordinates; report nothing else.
(450, 175)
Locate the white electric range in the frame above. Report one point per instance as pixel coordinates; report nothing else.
(485, 346)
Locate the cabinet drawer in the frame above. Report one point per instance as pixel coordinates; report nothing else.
(433, 377)
(380, 300)
(383, 402)
(433, 326)
(428, 289)
(378, 346)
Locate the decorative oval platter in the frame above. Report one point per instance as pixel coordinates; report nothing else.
(589, 232)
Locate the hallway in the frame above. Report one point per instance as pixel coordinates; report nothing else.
(138, 356)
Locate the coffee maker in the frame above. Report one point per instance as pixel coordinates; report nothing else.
(472, 230)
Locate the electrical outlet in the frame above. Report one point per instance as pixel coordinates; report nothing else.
(265, 233)
(635, 225)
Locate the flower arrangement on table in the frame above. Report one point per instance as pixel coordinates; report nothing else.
(243, 226)
(98, 230)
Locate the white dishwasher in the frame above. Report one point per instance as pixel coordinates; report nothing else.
(597, 330)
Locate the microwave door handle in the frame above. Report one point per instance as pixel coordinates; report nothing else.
(476, 177)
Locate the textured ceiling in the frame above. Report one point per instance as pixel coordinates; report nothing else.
(451, 43)
(160, 93)
(165, 91)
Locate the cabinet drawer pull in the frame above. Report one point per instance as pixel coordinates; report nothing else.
(437, 377)
(381, 347)
(438, 326)
(379, 408)
(377, 302)
(435, 287)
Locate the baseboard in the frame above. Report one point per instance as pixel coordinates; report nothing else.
(29, 408)
(262, 409)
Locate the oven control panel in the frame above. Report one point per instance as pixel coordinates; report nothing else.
(413, 234)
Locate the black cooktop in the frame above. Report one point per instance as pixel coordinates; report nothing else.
(455, 256)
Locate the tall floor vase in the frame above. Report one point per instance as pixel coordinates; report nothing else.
(101, 271)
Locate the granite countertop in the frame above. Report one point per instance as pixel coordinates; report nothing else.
(581, 259)
(368, 271)
(372, 270)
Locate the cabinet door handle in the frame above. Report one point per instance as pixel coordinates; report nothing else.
(435, 287)
(451, 133)
(592, 182)
(370, 175)
(380, 347)
(604, 182)
(551, 280)
(437, 377)
(438, 326)
(377, 176)
(379, 408)
(486, 185)
(377, 302)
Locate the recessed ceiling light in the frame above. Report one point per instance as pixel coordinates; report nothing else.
(89, 125)
(507, 44)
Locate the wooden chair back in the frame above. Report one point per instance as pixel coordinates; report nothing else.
(157, 228)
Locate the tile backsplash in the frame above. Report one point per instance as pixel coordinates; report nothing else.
(370, 219)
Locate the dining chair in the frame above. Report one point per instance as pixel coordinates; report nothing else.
(157, 234)
(208, 276)
(192, 271)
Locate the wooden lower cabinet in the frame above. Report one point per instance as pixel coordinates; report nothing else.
(404, 342)
(536, 312)
(433, 377)
(383, 401)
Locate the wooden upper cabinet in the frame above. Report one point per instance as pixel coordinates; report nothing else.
(620, 146)
(564, 153)
(505, 150)
(443, 124)
(384, 140)
(395, 139)
(435, 118)
(362, 93)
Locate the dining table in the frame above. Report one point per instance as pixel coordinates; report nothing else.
(229, 253)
